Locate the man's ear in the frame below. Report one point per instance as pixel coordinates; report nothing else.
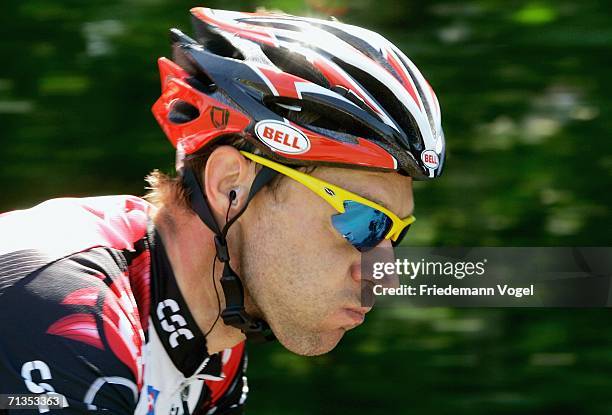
(227, 170)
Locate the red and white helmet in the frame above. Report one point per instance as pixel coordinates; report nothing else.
(304, 91)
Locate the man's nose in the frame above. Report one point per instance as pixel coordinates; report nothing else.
(356, 271)
(385, 243)
(387, 254)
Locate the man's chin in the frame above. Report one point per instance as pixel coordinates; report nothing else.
(312, 345)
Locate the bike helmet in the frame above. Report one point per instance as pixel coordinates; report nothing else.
(303, 91)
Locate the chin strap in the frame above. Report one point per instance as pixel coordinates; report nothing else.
(235, 315)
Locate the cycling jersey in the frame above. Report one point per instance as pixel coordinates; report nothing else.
(90, 309)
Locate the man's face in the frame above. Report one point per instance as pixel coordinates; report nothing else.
(300, 274)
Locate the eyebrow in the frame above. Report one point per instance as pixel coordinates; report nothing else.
(373, 199)
(380, 202)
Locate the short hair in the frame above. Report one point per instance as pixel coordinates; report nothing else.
(169, 190)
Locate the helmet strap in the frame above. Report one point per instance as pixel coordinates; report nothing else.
(234, 314)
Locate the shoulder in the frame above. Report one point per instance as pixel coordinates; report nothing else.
(60, 227)
(71, 327)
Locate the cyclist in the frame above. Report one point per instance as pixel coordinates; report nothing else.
(297, 141)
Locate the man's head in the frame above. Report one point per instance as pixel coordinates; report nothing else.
(301, 92)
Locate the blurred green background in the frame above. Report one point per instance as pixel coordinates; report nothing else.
(524, 87)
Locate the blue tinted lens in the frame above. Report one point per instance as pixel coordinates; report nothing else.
(362, 226)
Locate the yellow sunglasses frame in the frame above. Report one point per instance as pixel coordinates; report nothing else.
(334, 195)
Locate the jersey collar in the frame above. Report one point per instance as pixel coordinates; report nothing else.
(178, 331)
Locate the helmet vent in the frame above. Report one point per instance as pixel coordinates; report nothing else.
(272, 24)
(325, 120)
(295, 64)
(182, 112)
(362, 46)
(388, 101)
(428, 109)
(215, 42)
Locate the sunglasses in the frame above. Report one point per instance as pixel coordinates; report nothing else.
(361, 222)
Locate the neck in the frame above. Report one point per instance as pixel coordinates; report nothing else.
(191, 250)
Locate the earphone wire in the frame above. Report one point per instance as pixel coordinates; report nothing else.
(232, 196)
(218, 298)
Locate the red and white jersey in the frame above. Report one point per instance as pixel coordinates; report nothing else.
(91, 310)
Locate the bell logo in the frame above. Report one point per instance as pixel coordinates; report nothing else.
(281, 137)
(430, 159)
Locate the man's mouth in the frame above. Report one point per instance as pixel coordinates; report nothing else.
(354, 316)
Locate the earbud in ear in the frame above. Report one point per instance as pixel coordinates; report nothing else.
(232, 196)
